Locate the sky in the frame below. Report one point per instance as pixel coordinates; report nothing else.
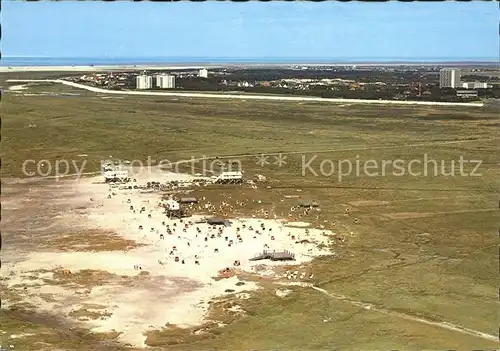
(443, 30)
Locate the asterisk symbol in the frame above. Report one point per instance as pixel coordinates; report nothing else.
(262, 160)
(280, 160)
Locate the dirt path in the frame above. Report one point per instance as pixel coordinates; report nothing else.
(370, 307)
(410, 215)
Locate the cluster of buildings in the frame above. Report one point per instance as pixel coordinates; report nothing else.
(114, 172)
(161, 81)
(450, 78)
(108, 80)
(305, 84)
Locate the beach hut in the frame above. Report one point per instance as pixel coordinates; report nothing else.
(188, 200)
(229, 178)
(274, 256)
(218, 221)
(308, 203)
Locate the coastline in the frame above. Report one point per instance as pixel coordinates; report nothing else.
(16, 69)
(5, 68)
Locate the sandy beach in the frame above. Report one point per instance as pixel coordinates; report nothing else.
(189, 66)
(174, 268)
(98, 68)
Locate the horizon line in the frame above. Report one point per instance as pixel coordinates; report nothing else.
(303, 62)
(257, 57)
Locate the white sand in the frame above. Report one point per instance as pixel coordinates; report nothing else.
(18, 87)
(22, 335)
(298, 224)
(283, 292)
(176, 293)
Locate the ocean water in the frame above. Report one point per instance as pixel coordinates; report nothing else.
(155, 61)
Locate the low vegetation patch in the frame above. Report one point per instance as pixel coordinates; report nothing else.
(92, 240)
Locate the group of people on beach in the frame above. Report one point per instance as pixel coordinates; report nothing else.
(176, 226)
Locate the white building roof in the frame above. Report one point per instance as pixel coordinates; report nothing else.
(116, 174)
(172, 205)
(230, 175)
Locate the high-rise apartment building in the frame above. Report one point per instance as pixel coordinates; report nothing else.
(203, 73)
(143, 82)
(165, 81)
(449, 78)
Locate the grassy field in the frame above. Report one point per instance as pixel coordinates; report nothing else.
(425, 245)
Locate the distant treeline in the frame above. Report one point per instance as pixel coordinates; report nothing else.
(356, 75)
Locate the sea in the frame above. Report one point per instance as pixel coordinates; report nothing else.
(11, 61)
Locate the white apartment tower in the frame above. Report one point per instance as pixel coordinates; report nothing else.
(143, 82)
(203, 73)
(165, 81)
(449, 78)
